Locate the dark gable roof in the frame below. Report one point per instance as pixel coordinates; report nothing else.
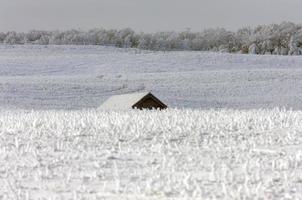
(150, 95)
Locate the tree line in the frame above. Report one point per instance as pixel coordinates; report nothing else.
(278, 39)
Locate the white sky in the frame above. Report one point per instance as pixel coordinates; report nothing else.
(145, 15)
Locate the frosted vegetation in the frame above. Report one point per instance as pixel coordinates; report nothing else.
(279, 39)
(210, 154)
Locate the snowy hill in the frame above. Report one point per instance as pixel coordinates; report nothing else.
(73, 77)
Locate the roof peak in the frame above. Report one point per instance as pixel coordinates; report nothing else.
(129, 93)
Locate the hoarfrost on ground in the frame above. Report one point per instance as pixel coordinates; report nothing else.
(171, 154)
(73, 77)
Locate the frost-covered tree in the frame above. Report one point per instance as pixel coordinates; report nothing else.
(293, 46)
(253, 49)
(14, 38)
(2, 37)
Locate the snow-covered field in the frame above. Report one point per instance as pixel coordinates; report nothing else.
(74, 77)
(177, 154)
(55, 145)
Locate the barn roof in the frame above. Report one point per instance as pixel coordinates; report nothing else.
(123, 101)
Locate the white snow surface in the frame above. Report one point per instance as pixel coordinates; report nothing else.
(55, 153)
(75, 77)
(123, 101)
(170, 154)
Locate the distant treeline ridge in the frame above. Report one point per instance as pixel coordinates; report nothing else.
(279, 39)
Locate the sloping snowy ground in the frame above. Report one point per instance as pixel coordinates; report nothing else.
(74, 77)
(89, 154)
